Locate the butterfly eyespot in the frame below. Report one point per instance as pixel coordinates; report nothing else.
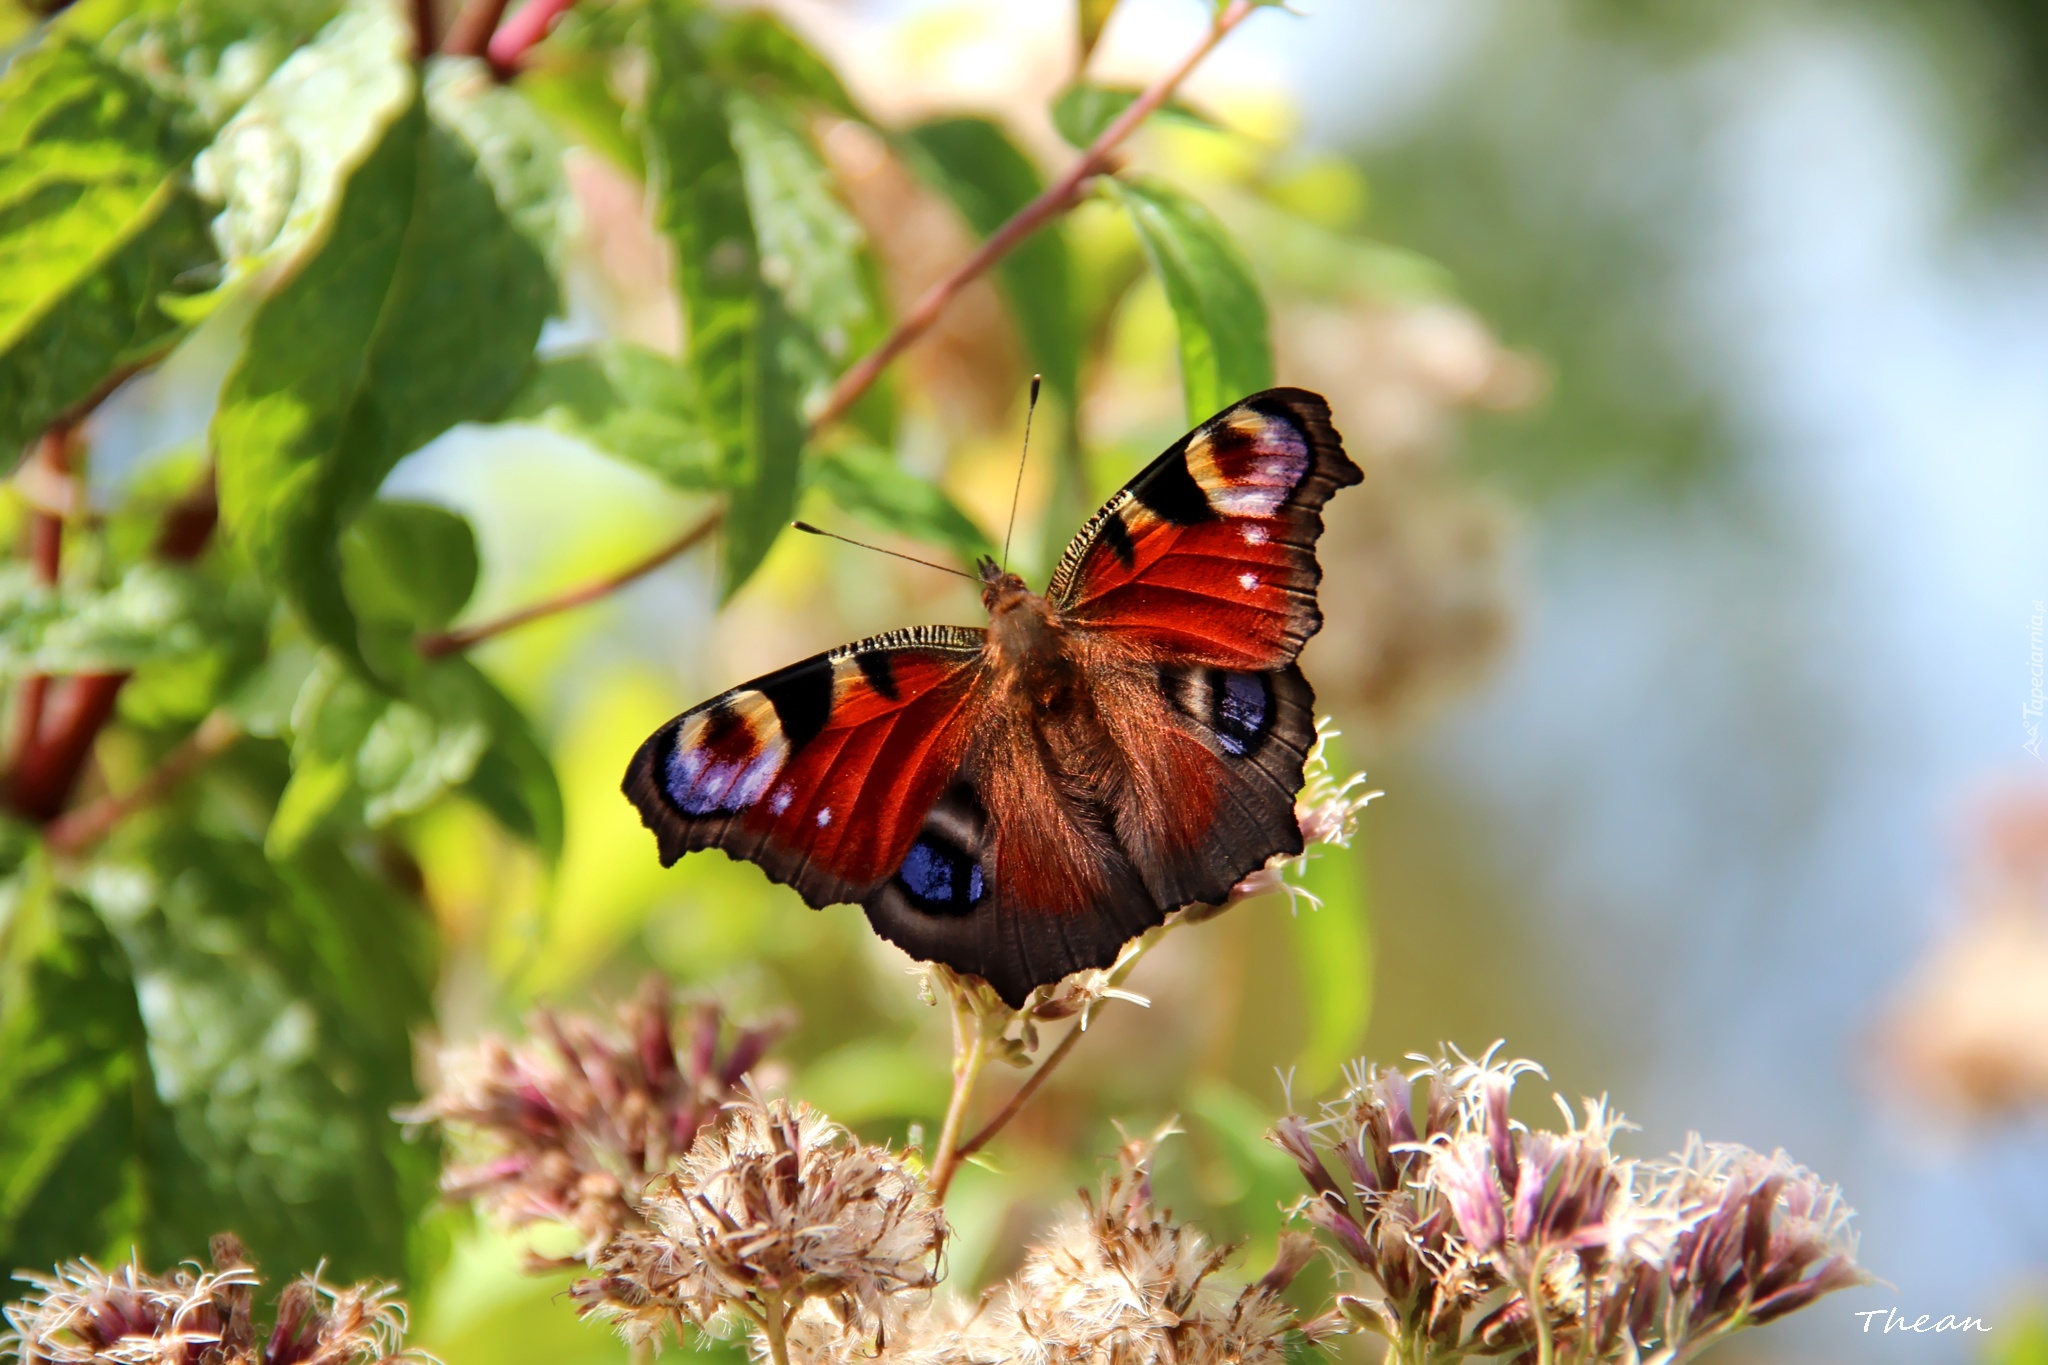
(1243, 709)
(1250, 465)
(940, 878)
(725, 758)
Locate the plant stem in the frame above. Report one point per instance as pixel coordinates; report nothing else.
(1546, 1349)
(453, 641)
(773, 1328)
(1057, 197)
(471, 32)
(509, 44)
(46, 553)
(527, 27)
(970, 1050)
(1023, 1095)
(81, 828)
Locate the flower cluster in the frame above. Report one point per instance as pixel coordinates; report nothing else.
(571, 1125)
(774, 1206)
(1121, 1284)
(82, 1315)
(1479, 1235)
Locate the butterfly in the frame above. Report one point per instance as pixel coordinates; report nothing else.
(1021, 799)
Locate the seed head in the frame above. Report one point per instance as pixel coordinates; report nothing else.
(569, 1125)
(773, 1205)
(82, 1315)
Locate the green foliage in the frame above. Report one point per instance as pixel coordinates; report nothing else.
(869, 483)
(740, 337)
(95, 225)
(1225, 349)
(973, 163)
(421, 311)
(211, 1045)
(627, 401)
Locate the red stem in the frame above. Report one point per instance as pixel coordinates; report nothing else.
(470, 34)
(531, 24)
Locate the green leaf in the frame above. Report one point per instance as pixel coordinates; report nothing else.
(627, 401)
(410, 563)
(1082, 112)
(869, 483)
(810, 246)
(71, 1066)
(516, 150)
(281, 166)
(1225, 349)
(741, 343)
(278, 1004)
(156, 612)
(514, 778)
(1093, 16)
(756, 48)
(361, 758)
(421, 310)
(95, 226)
(973, 163)
(206, 57)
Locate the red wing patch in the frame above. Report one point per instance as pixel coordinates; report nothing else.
(1208, 556)
(820, 772)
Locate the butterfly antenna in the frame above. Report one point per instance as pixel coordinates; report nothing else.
(809, 529)
(1015, 493)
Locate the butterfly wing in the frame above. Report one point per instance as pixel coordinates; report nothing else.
(823, 771)
(1208, 556)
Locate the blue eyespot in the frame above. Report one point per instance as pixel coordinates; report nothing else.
(941, 879)
(1242, 704)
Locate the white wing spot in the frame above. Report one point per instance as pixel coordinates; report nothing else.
(1255, 535)
(1248, 581)
(824, 817)
(780, 801)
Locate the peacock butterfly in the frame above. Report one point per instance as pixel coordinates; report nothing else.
(1020, 800)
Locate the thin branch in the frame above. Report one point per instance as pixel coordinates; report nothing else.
(447, 642)
(1022, 1097)
(531, 24)
(527, 26)
(52, 458)
(970, 1049)
(423, 29)
(470, 34)
(1056, 199)
(79, 829)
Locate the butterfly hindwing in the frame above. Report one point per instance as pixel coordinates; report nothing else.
(819, 772)
(1208, 555)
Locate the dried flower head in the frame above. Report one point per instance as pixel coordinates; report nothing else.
(1477, 1234)
(82, 1315)
(772, 1206)
(570, 1125)
(1126, 1285)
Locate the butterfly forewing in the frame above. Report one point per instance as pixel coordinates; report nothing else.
(822, 771)
(1208, 555)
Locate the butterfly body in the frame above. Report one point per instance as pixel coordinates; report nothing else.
(1020, 800)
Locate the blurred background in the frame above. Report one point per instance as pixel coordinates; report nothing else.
(1688, 617)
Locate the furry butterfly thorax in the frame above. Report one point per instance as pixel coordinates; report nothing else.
(1019, 800)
